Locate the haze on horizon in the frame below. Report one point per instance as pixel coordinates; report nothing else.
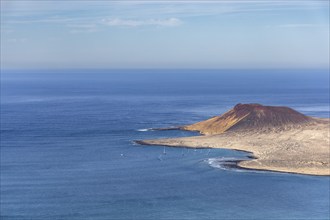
(164, 34)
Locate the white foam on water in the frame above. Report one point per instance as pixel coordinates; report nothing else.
(221, 162)
(144, 129)
(224, 163)
(227, 163)
(213, 162)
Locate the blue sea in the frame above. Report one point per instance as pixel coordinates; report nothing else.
(67, 149)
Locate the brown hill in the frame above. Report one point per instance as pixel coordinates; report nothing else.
(280, 138)
(252, 117)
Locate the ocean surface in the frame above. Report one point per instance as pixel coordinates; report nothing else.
(67, 148)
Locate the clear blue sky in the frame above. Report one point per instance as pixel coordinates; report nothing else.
(165, 34)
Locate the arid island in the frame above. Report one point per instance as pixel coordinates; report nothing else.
(280, 138)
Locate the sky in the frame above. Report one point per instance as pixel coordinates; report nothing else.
(165, 34)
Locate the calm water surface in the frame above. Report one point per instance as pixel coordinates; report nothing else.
(67, 151)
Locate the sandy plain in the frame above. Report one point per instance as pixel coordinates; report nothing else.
(303, 150)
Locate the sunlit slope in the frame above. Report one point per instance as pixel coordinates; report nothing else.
(254, 117)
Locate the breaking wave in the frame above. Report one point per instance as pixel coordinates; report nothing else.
(145, 129)
(224, 163)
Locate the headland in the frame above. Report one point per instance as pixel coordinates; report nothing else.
(280, 138)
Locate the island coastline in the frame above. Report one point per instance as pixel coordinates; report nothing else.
(301, 148)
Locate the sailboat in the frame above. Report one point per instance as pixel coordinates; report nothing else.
(164, 151)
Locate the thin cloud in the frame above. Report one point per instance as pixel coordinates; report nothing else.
(30, 12)
(170, 22)
(47, 20)
(299, 25)
(83, 28)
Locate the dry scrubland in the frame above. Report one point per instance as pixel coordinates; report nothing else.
(280, 138)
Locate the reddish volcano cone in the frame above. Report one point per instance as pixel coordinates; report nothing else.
(251, 117)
